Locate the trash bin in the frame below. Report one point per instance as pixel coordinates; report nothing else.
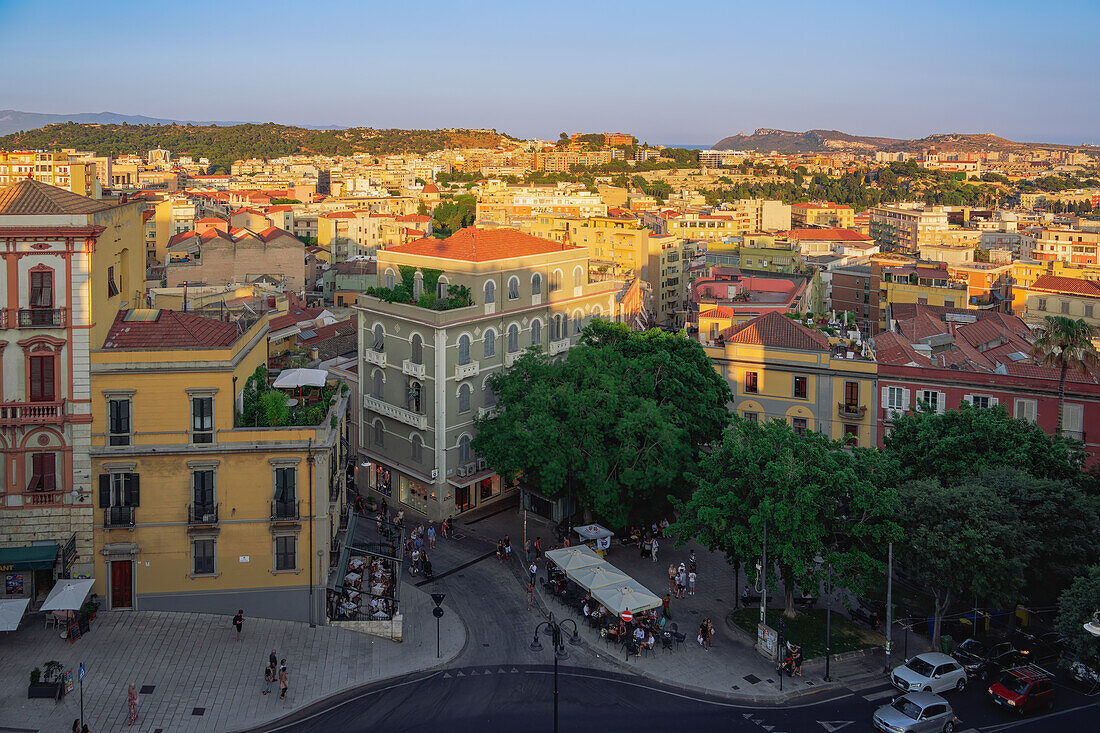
(947, 643)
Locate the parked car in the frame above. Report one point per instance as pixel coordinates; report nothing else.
(931, 672)
(986, 660)
(916, 712)
(1038, 647)
(1023, 689)
(1084, 677)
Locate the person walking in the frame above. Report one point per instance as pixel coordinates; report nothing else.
(282, 681)
(653, 551)
(76, 725)
(533, 569)
(671, 577)
(500, 551)
(431, 536)
(691, 562)
(691, 583)
(269, 677)
(710, 630)
(507, 548)
(665, 603)
(530, 594)
(131, 705)
(538, 547)
(681, 583)
(238, 622)
(704, 635)
(273, 662)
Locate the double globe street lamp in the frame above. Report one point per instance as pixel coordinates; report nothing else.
(556, 632)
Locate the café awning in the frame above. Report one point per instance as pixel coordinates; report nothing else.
(593, 532)
(597, 576)
(630, 596)
(574, 558)
(68, 595)
(33, 557)
(11, 612)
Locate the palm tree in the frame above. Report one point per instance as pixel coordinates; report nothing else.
(1065, 343)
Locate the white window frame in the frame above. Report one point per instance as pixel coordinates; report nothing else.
(1026, 409)
(466, 389)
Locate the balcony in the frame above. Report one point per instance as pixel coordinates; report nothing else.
(200, 515)
(464, 371)
(486, 412)
(511, 357)
(284, 511)
(415, 419)
(31, 413)
(41, 317)
(116, 517)
(412, 369)
(43, 498)
(559, 347)
(1074, 434)
(376, 357)
(851, 412)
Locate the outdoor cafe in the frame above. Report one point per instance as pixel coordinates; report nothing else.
(621, 609)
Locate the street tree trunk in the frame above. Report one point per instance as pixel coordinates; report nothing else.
(937, 618)
(788, 591)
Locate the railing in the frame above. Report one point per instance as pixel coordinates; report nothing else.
(118, 516)
(856, 412)
(484, 412)
(3, 318)
(462, 371)
(200, 514)
(1075, 434)
(41, 317)
(412, 369)
(284, 511)
(378, 358)
(44, 498)
(559, 347)
(408, 417)
(23, 413)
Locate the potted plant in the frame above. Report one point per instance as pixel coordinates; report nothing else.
(87, 611)
(46, 682)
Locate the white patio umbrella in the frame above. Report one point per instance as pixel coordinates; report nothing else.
(11, 613)
(68, 595)
(597, 576)
(631, 596)
(574, 558)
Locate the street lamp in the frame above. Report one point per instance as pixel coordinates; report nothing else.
(1093, 626)
(554, 630)
(820, 561)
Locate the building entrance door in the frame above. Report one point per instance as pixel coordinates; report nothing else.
(122, 584)
(463, 499)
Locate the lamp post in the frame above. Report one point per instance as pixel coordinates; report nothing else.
(554, 630)
(828, 614)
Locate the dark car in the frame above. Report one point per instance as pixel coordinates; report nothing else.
(983, 660)
(1037, 647)
(1023, 689)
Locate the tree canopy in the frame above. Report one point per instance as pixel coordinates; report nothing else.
(1076, 606)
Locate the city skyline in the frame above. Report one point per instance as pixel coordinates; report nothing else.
(857, 68)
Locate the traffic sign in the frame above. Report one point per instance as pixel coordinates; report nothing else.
(80, 674)
(627, 616)
(437, 612)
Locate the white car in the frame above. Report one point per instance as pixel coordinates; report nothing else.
(931, 672)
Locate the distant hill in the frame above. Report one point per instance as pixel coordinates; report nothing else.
(223, 145)
(832, 141)
(12, 120)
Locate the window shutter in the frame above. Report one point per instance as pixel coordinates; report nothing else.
(968, 399)
(886, 397)
(130, 489)
(104, 490)
(940, 404)
(905, 399)
(993, 402)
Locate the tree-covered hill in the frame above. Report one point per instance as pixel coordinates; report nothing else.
(223, 145)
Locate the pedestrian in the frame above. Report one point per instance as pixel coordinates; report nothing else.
(704, 636)
(565, 542)
(507, 547)
(385, 508)
(282, 681)
(500, 551)
(653, 551)
(671, 577)
(238, 621)
(691, 583)
(131, 705)
(533, 569)
(664, 604)
(76, 725)
(269, 677)
(710, 632)
(681, 583)
(538, 547)
(273, 662)
(415, 564)
(528, 551)
(691, 562)
(431, 535)
(85, 729)
(530, 594)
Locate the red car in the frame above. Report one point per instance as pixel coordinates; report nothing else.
(1023, 689)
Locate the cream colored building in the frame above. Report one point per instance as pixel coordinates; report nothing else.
(904, 230)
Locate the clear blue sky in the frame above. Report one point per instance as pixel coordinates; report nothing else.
(669, 72)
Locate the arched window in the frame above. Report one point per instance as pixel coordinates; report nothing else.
(463, 349)
(379, 338)
(487, 394)
(513, 339)
(557, 327)
(578, 277)
(555, 280)
(379, 433)
(441, 287)
(578, 322)
(417, 448)
(417, 349)
(490, 342)
(536, 332)
(464, 452)
(490, 291)
(513, 287)
(418, 286)
(391, 278)
(536, 284)
(597, 311)
(464, 393)
(378, 381)
(415, 397)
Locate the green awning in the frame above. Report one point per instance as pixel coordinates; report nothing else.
(35, 557)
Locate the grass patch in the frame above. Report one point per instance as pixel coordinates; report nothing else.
(808, 629)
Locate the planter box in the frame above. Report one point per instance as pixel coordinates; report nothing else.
(42, 689)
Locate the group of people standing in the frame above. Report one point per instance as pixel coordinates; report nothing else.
(275, 671)
(681, 579)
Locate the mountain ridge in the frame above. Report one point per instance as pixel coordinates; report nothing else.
(765, 139)
(14, 120)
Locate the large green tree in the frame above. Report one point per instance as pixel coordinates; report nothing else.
(1065, 344)
(616, 423)
(808, 495)
(1076, 606)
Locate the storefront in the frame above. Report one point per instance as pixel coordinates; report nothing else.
(415, 495)
(28, 571)
(555, 510)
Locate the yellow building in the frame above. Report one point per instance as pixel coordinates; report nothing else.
(56, 169)
(780, 369)
(765, 252)
(923, 284)
(195, 511)
(1024, 273)
(827, 214)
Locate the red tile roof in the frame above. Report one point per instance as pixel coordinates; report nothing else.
(431, 188)
(144, 329)
(775, 329)
(291, 317)
(482, 245)
(830, 235)
(414, 217)
(1072, 285)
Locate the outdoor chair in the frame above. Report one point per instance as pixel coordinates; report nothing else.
(666, 640)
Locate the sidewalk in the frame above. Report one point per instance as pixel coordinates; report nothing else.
(732, 668)
(192, 675)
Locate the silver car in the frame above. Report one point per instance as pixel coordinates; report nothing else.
(929, 672)
(916, 712)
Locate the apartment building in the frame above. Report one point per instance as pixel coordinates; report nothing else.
(856, 289)
(200, 508)
(839, 216)
(900, 229)
(780, 369)
(219, 257)
(502, 205)
(770, 254)
(666, 272)
(732, 219)
(920, 283)
(64, 170)
(1067, 245)
(1053, 295)
(424, 371)
(70, 263)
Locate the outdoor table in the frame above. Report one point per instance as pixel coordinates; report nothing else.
(378, 588)
(353, 577)
(381, 615)
(353, 594)
(356, 562)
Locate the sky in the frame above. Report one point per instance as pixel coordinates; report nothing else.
(691, 71)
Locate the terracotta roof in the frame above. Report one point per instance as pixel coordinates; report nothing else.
(211, 220)
(718, 311)
(1066, 285)
(163, 329)
(431, 188)
(414, 217)
(482, 245)
(831, 235)
(775, 329)
(291, 317)
(34, 197)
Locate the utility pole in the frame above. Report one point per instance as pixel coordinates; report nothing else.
(764, 578)
(889, 600)
(312, 562)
